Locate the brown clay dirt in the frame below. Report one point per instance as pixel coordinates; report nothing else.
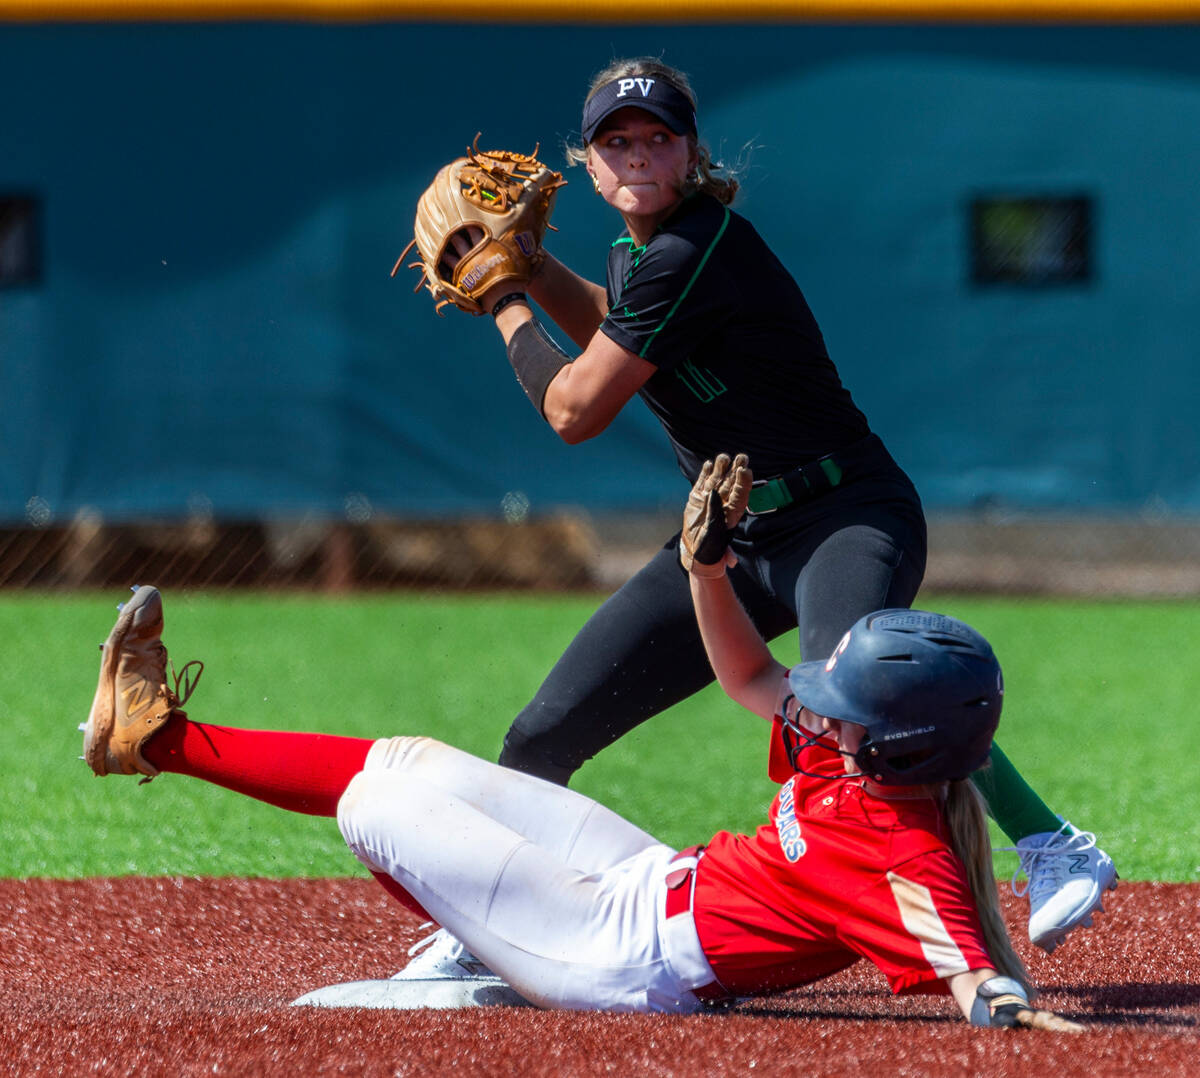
(193, 976)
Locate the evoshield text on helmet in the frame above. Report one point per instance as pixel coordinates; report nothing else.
(926, 688)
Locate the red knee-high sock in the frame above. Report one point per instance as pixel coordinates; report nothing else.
(299, 772)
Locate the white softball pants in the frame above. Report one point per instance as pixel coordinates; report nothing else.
(560, 896)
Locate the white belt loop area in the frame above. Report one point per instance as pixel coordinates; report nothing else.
(681, 944)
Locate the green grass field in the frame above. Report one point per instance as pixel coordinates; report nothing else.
(1099, 716)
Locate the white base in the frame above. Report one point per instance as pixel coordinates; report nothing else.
(414, 995)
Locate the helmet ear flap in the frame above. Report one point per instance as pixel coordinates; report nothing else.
(893, 767)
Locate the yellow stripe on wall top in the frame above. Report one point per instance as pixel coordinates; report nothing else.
(607, 11)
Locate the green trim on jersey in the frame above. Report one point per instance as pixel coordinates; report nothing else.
(687, 288)
(692, 281)
(635, 254)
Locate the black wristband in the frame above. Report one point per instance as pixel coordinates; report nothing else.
(535, 359)
(504, 301)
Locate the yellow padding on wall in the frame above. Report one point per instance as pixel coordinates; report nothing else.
(606, 11)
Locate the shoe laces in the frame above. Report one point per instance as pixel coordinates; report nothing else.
(1042, 861)
(185, 685)
(185, 681)
(434, 937)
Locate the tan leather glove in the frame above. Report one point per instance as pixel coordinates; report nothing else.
(481, 223)
(714, 507)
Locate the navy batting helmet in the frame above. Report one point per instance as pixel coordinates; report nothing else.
(926, 687)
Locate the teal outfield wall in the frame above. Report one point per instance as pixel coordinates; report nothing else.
(215, 327)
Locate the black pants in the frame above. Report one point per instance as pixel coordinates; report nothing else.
(818, 566)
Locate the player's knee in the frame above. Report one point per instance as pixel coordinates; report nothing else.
(395, 753)
(377, 810)
(353, 811)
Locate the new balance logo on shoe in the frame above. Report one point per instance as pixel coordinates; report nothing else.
(1066, 877)
(137, 697)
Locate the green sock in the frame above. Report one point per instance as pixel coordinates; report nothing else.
(1011, 801)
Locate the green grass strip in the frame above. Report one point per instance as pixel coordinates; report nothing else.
(1098, 717)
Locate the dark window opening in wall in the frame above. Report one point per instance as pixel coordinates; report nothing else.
(20, 240)
(1031, 240)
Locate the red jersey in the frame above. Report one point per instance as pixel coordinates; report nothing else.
(837, 874)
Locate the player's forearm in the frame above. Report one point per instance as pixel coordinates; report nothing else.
(739, 656)
(577, 306)
(580, 397)
(586, 394)
(963, 985)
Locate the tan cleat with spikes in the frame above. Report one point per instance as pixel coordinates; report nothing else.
(133, 699)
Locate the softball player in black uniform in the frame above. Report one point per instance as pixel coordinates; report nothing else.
(703, 322)
(736, 360)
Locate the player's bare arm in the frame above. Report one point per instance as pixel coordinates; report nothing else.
(587, 394)
(744, 666)
(576, 304)
(584, 395)
(963, 986)
(739, 657)
(578, 399)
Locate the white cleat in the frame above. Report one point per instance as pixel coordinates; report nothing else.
(442, 975)
(441, 957)
(1067, 875)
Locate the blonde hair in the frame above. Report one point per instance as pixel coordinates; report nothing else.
(966, 818)
(711, 177)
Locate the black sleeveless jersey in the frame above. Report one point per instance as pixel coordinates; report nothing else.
(742, 365)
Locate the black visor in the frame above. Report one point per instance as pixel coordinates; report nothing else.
(648, 93)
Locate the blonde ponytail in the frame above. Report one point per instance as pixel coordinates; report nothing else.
(708, 179)
(967, 819)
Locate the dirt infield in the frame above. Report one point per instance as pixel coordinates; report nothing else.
(194, 976)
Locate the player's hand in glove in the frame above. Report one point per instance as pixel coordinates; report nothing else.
(1001, 1001)
(481, 223)
(714, 507)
